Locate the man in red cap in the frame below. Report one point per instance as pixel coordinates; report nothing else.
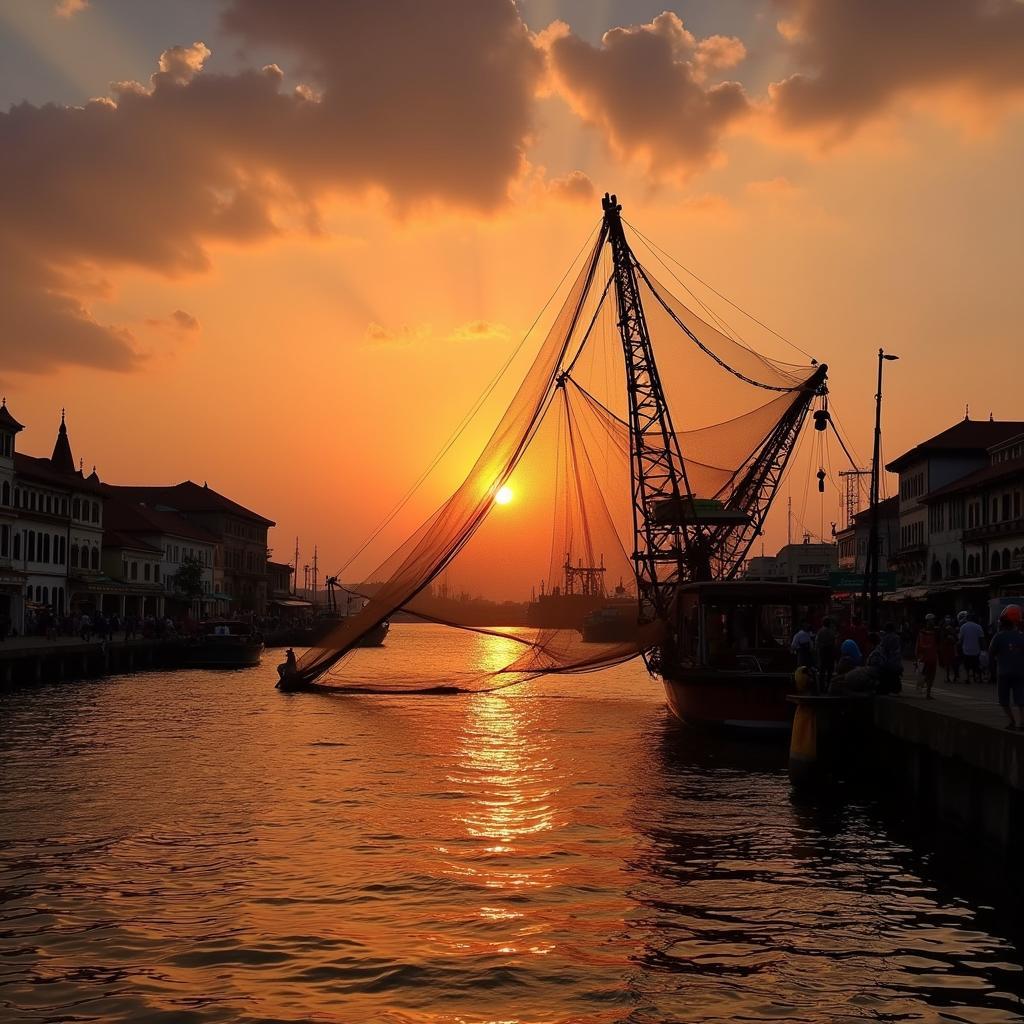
(1006, 652)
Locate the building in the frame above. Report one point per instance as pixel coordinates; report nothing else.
(852, 541)
(51, 528)
(281, 601)
(239, 571)
(797, 563)
(145, 554)
(934, 464)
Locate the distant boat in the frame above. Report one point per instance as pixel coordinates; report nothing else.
(223, 643)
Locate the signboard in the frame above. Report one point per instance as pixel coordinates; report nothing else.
(855, 581)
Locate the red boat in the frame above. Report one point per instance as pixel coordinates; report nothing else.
(733, 667)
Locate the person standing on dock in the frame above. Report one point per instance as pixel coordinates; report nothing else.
(927, 653)
(1006, 652)
(971, 638)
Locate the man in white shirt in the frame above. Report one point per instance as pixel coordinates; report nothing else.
(972, 637)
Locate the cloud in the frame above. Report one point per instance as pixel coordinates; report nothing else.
(179, 321)
(858, 58)
(479, 330)
(574, 186)
(646, 87)
(69, 8)
(422, 102)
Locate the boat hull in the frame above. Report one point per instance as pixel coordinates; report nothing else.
(222, 655)
(738, 701)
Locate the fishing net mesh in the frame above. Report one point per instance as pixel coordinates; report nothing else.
(561, 450)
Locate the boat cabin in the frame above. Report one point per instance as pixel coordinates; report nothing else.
(745, 625)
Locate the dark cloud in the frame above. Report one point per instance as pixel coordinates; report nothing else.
(419, 100)
(648, 88)
(857, 57)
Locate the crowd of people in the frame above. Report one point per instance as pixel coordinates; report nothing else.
(93, 625)
(850, 659)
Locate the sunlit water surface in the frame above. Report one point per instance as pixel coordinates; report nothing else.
(195, 846)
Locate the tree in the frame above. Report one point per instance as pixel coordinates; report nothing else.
(188, 580)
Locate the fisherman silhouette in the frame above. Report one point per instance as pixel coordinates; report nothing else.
(287, 671)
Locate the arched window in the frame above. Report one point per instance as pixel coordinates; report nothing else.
(954, 569)
(1007, 564)
(95, 558)
(5, 540)
(936, 572)
(74, 556)
(17, 545)
(31, 553)
(62, 555)
(46, 595)
(5, 493)
(995, 561)
(44, 553)
(17, 497)
(60, 600)
(76, 509)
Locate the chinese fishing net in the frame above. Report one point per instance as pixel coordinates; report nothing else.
(562, 448)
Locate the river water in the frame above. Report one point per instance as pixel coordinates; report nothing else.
(197, 847)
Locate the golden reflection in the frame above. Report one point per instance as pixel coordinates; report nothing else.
(503, 845)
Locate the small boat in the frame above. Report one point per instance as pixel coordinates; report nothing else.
(223, 643)
(733, 668)
(612, 624)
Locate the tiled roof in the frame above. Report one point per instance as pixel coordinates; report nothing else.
(987, 475)
(43, 471)
(126, 516)
(965, 436)
(886, 507)
(8, 421)
(116, 539)
(191, 497)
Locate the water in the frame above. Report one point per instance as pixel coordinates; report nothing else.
(196, 847)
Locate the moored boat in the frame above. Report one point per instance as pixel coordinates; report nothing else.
(223, 644)
(733, 667)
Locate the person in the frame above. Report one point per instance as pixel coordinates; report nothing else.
(971, 637)
(825, 644)
(86, 626)
(947, 649)
(1006, 652)
(926, 652)
(802, 646)
(857, 632)
(850, 651)
(890, 660)
(286, 671)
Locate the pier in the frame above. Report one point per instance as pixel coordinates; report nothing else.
(38, 660)
(954, 759)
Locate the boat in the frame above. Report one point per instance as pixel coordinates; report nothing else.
(697, 500)
(223, 643)
(733, 668)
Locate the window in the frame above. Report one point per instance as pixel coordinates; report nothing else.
(145, 572)
(5, 540)
(156, 573)
(74, 556)
(995, 561)
(95, 511)
(17, 497)
(96, 558)
(49, 503)
(31, 554)
(63, 512)
(1006, 506)
(6, 445)
(76, 509)
(1016, 504)
(5, 493)
(17, 546)
(124, 568)
(135, 570)
(32, 501)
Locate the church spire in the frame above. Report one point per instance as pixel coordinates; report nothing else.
(61, 459)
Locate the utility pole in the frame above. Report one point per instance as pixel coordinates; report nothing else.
(295, 575)
(315, 574)
(871, 568)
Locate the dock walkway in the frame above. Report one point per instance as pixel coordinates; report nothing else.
(956, 756)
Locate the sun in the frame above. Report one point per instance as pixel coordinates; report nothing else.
(505, 495)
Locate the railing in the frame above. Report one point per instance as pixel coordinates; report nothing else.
(1001, 529)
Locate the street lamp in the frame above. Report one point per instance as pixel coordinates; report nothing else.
(871, 566)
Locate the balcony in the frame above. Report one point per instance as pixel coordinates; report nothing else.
(988, 531)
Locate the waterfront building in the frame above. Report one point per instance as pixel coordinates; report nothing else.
(806, 562)
(282, 602)
(145, 555)
(852, 540)
(239, 571)
(924, 469)
(51, 528)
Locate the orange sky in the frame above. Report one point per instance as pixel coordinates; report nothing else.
(353, 263)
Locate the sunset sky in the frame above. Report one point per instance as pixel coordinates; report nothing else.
(282, 247)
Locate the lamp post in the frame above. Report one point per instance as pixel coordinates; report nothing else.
(871, 566)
